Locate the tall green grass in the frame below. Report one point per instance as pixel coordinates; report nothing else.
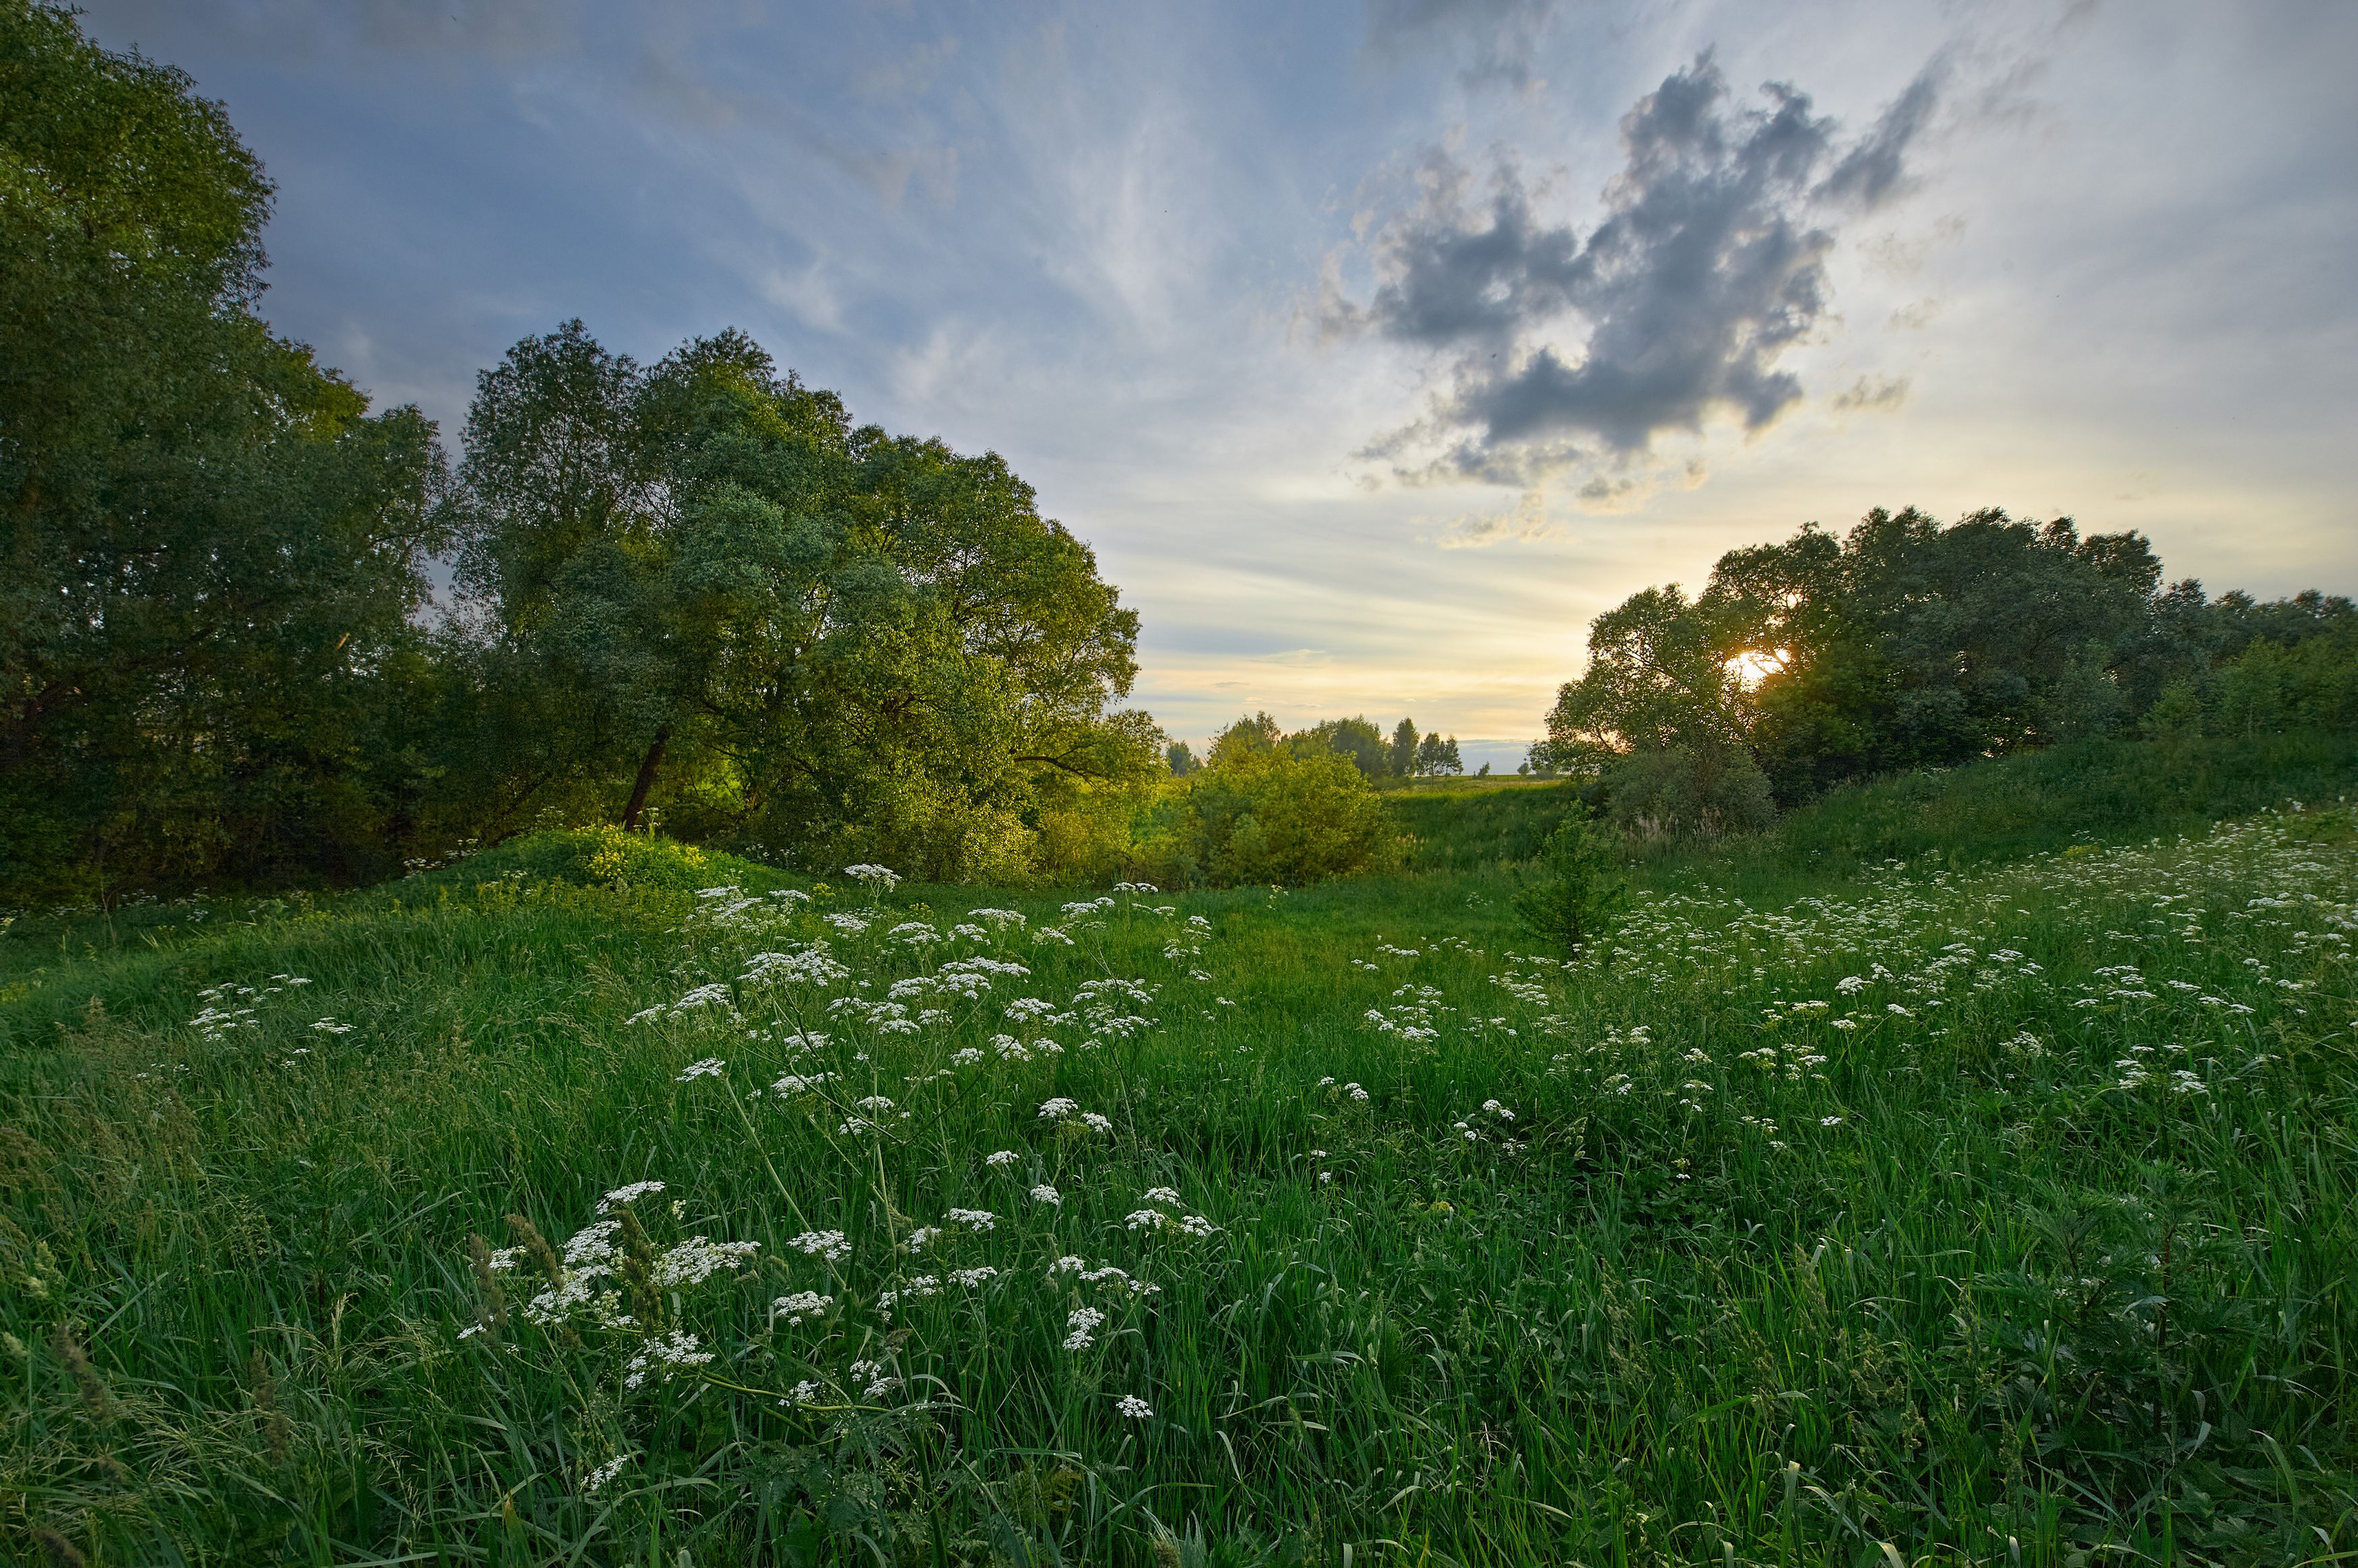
(1956, 1261)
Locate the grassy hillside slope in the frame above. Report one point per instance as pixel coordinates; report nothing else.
(1989, 1210)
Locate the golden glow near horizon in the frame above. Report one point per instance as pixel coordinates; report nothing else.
(1754, 665)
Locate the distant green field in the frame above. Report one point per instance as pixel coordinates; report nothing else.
(1962, 1172)
(2094, 791)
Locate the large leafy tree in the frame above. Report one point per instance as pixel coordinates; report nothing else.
(212, 547)
(1906, 642)
(811, 636)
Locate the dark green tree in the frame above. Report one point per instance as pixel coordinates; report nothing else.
(206, 668)
(1436, 757)
(1403, 749)
(806, 636)
(1357, 739)
(1574, 899)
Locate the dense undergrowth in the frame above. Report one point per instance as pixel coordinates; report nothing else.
(1994, 1211)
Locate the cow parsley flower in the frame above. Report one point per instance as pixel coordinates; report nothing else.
(973, 1219)
(1046, 1193)
(708, 1068)
(1134, 1407)
(802, 1306)
(1000, 1157)
(621, 1196)
(697, 1260)
(828, 1244)
(1084, 1322)
(664, 1354)
(1163, 1194)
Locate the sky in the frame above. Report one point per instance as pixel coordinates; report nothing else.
(1377, 346)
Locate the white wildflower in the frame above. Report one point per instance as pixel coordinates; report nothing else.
(622, 1196)
(664, 1354)
(1084, 1322)
(828, 1244)
(802, 1306)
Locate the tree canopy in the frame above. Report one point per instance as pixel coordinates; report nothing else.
(1908, 643)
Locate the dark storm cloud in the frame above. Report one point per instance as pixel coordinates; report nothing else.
(1459, 273)
(1708, 265)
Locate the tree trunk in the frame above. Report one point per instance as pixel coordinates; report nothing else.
(646, 782)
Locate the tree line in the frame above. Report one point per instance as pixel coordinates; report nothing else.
(1405, 755)
(1910, 643)
(694, 588)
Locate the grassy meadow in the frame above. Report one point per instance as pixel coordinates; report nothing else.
(1962, 1172)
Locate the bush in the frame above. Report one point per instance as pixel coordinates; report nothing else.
(1699, 793)
(1575, 901)
(606, 857)
(1266, 816)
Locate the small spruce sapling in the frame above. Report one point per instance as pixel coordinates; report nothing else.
(1577, 899)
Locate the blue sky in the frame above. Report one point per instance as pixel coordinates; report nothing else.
(1377, 346)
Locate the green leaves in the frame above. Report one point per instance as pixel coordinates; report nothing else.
(212, 549)
(851, 646)
(1576, 898)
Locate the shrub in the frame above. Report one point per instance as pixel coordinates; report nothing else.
(1698, 793)
(1266, 816)
(1577, 899)
(605, 855)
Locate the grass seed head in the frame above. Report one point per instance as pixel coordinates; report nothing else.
(61, 1551)
(493, 1312)
(94, 1395)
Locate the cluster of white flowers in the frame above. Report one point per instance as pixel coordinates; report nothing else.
(877, 878)
(828, 1244)
(697, 1260)
(664, 1354)
(880, 1380)
(802, 1306)
(625, 1195)
(598, 1475)
(809, 965)
(1083, 1323)
(710, 1068)
(711, 994)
